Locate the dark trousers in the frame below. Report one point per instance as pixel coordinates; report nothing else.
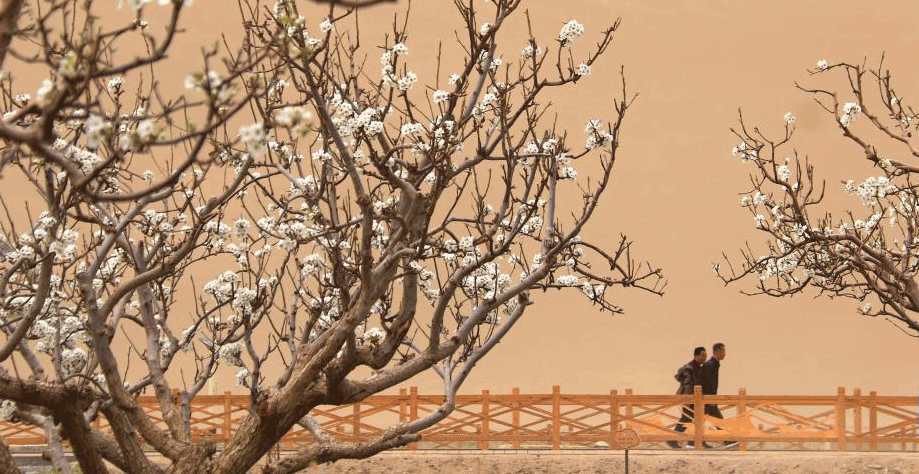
(713, 411)
(688, 414)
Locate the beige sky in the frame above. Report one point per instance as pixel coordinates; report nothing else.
(675, 192)
(676, 187)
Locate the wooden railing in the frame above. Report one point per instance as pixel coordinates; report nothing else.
(557, 421)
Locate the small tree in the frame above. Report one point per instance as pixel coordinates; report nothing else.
(870, 253)
(361, 223)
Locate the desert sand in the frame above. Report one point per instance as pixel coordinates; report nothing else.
(640, 462)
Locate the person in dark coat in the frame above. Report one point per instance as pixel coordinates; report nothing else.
(709, 378)
(688, 376)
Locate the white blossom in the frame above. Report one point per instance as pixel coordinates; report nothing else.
(242, 377)
(570, 31)
(567, 280)
(412, 129)
(407, 82)
(115, 83)
(440, 96)
(292, 116)
(374, 335)
(850, 110)
(7, 410)
(528, 52)
(95, 128)
(253, 136)
(783, 173)
(231, 352)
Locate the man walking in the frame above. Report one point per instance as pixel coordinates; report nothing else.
(709, 377)
(688, 376)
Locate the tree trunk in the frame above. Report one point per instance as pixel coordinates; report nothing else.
(196, 459)
(6, 460)
(9, 13)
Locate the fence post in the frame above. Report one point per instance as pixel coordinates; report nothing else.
(857, 394)
(741, 410)
(841, 419)
(873, 420)
(516, 416)
(628, 407)
(698, 417)
(484, 436)
(613, 418)
(227, 416)
(402, 396)
(556, 417)
(413, 400)
(356, 421)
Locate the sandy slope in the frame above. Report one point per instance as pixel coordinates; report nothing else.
(643, 462)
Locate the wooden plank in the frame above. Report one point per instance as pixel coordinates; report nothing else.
(413, 412)
(741, 410)
(356, 420)
(841, 419)
(857, 397)
(483, 444)
(698, 417)
(613, 418)
(556, 417)
(227, 417)
(516, 417)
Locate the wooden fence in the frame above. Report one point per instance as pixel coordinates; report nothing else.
(557, 421)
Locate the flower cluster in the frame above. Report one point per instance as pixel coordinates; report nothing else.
(231, 353)
(779, 266)
(242, 377)
(745, 151)
(294, 118)
(596, 135)
(45, 92)
(387, 62)
(147, 130)
(570, 31)
(871, 189)
(95, 128)
(7, 410)
(849, 111)
(137, 4)
(783, 173)
(253, 136)
(374, 336)
(440, 96)
(209, 83)
(529, 52)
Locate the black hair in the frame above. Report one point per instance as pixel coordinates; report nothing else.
(698, 351)
(718, 346)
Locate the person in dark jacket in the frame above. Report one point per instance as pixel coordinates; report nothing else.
(688, 376)
(709, 379)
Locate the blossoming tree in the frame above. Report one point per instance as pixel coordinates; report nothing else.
(871, 252)
(357, 230)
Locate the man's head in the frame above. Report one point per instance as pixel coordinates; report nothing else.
(718, 351)
(699, 354)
